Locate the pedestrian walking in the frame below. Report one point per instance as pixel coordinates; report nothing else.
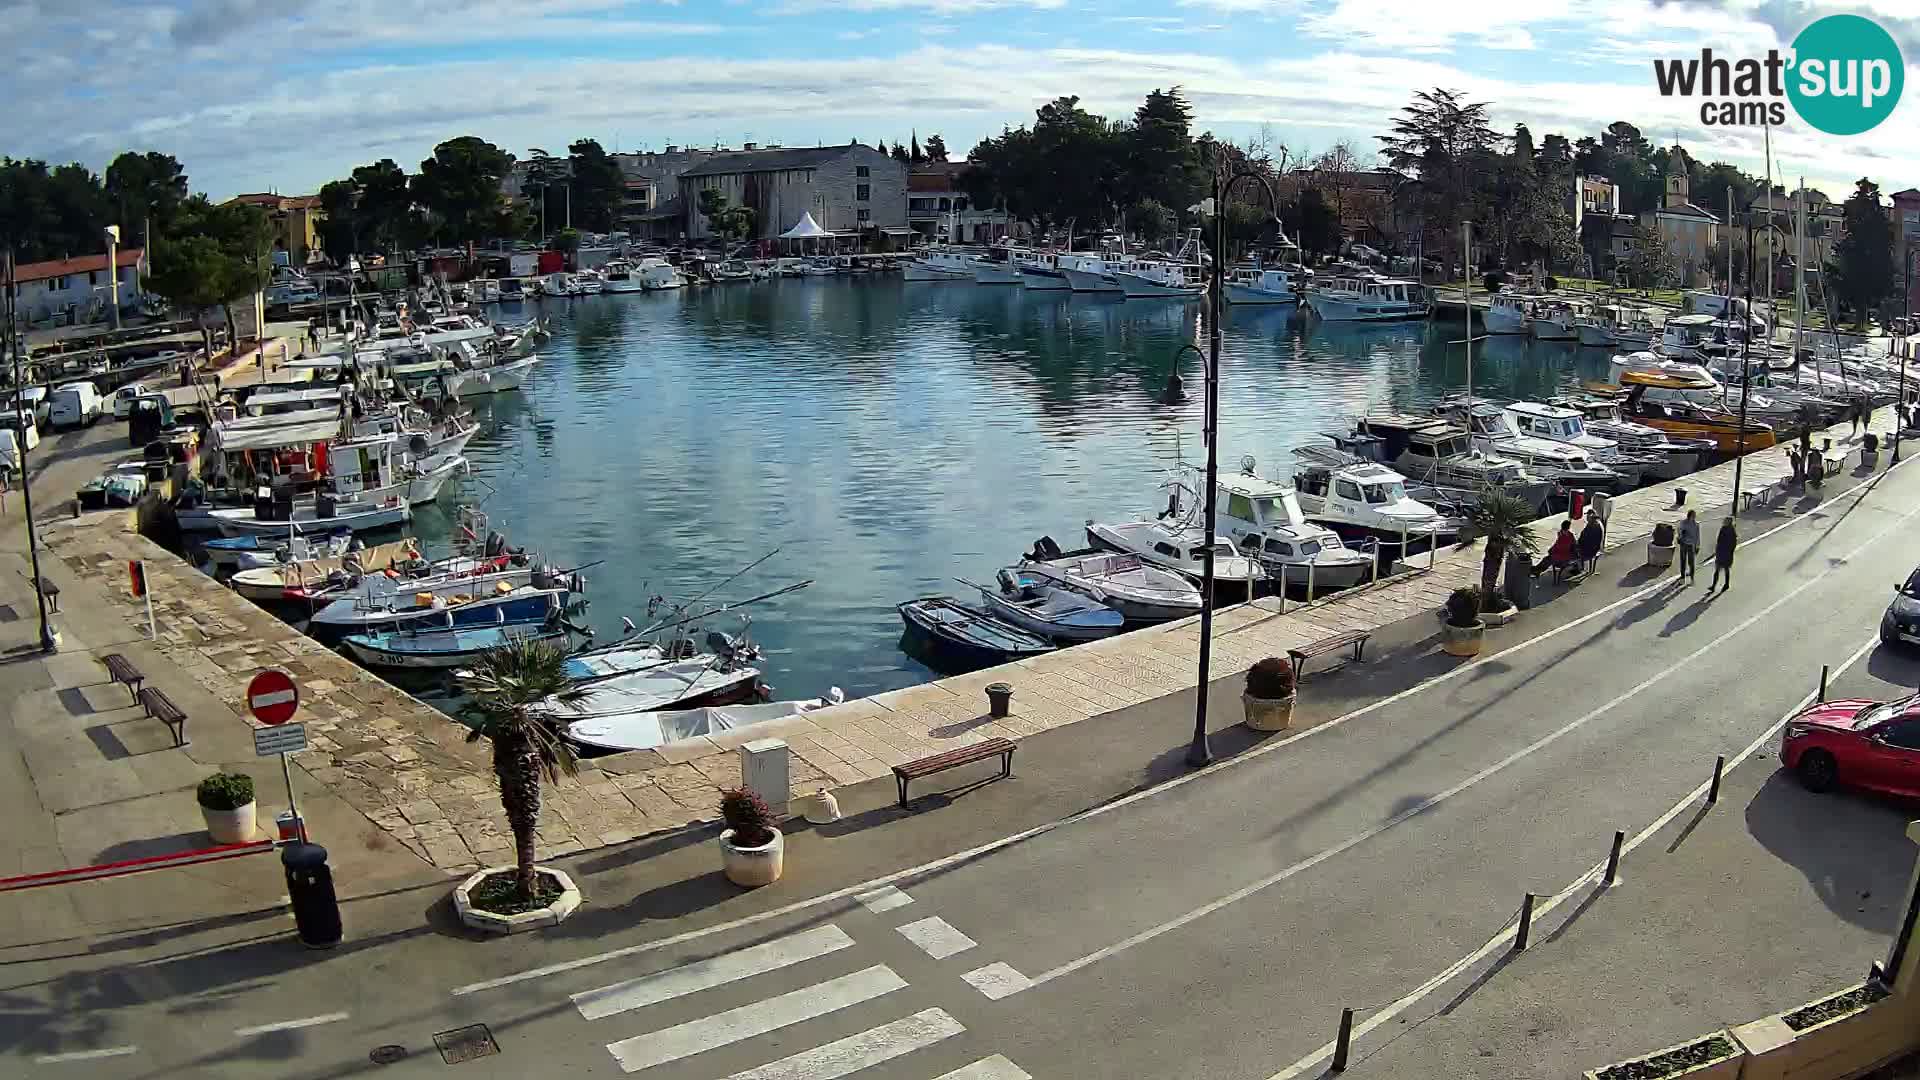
(1724, 546)
(1592, 539)
(1689, 538)
(1859, 414)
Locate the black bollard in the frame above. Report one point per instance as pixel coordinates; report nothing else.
(316, 910)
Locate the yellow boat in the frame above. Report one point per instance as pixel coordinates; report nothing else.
(1694, 422)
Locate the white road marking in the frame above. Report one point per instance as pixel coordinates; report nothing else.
(970, 854)
(86, 1055)
(988, 1068)
(290, 1025)
(757, 1018)
(1432, 801)
(714, 971)
(936, 937)
(884, 898)
(1588, 879)
(997, 981)
(855, 1052)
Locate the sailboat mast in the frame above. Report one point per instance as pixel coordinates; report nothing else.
(1466, 250)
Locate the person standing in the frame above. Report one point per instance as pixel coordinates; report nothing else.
(1689, 539)
(1724, 546)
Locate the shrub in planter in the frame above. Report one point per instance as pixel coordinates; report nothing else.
(1663, 534)
(226, 805)
(1463, 630)
(1660, 545)
(752, 851)
(1268, 698)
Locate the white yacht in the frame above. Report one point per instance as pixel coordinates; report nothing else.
(1554, 321)
(1040, 271)
(1255, 285)
(1496, 435)
(942, 264)
(1442, 454)
(1265, 519)
(618, 277)
(1673, 458)
(1180, 546)
(998, 266)
(1359, 499)
(1507, 313)
(1367, 297)
(1693, 338)
(1092, 273)
(1559, 424)
(1184, 276)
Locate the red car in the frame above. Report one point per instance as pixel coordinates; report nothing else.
(1858, 743)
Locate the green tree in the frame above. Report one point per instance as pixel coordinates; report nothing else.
(460, 184)
(1160, 160)
(385, 199)
(1863, 267)
(900, 153)
(145, 190)
(194, 274)
(1318, 227)
(512, 692)
(1650, 265)
(1503, 521)
(1523, 145)
(936, 149)
(1448, 142)
(341, 225)
(598, 186)
(544, 173)
(740, 222)
(712, 203)
(1155, 221)
(913, 149)
(566, 241)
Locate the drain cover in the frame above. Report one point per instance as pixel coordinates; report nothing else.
(387, 1055)
(465, 1044)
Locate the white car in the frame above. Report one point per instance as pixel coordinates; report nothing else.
(124, 398)
(34, 400)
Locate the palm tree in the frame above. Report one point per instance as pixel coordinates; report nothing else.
(510, 688)
(1505, 523)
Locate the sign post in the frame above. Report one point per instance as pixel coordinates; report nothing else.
(137, 578)
(273, 698)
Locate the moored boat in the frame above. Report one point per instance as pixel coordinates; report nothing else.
(1138, 590)
(648, 729)
(964, 636)
(1035, 604)
(438, 649)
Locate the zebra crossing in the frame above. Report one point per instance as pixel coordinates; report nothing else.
(798, 993)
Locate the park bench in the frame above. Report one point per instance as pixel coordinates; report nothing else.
(161, 708)
(121, 670)
(1355, 638)
(1833, 461)
(965, 755)
(1765, 493)
(49, 590)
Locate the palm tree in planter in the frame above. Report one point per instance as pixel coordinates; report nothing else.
(1505, 523)
(510, 688)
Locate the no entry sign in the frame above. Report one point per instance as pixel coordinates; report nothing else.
(272, 697)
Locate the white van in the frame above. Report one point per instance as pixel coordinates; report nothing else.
(15, 430)
(75, 404)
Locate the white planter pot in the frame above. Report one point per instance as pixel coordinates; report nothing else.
(1462, 640)
(230, 826)
(1268, 714)
(555, 913)
(1658, 555)
(752, 867)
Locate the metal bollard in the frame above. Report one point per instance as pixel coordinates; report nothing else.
(1713, 789)
(1344, 1043)
(1613, 858)
(1310, 582)
(1823, 683)
(1526, 925)
(316, 910)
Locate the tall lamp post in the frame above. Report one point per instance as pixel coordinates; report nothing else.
(113, 272)
(1175, 392)
(49, 637)
(1746, 355)
(1905, 345)
(1199, 754)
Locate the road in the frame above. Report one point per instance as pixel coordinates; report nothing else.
(1212, 927)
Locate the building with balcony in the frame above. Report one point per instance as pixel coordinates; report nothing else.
(77, 290)
(848, 189)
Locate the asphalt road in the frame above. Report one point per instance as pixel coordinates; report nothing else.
(1211, 928)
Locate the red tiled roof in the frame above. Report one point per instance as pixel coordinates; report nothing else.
(41, 271)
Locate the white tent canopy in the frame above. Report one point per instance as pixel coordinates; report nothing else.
(806, 229)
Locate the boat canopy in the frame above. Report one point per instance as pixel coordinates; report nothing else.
(231, 441)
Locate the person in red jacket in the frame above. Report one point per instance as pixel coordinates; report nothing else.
(1564, 549)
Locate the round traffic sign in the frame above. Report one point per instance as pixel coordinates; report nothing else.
(272, 697)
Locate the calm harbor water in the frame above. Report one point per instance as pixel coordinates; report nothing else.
(888, 437)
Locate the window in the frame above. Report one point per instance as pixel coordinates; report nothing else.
(1165, 548)
(1239, 507)
(56, 284)
(1276, 547)
(1347, 489)
(862, 170)
(862, 193)
(864, 215)
(1904, 734)
(1377, 493)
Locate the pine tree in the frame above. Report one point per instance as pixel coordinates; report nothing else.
(1863, 260)
(913, 150)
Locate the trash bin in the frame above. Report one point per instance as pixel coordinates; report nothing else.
(316, 911)
(1519, 580)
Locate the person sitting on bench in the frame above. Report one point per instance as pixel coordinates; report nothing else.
(1561, 555)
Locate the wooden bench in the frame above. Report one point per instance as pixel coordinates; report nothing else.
(965, 755)
(162, 708)
(121, 670)
(1355, 638)
(49, 590)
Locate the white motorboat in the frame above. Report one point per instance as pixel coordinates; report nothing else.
(428, 607)
(1358, 498)
(1554, 321)
(733, 270)
(1635, 331)
(697, 680)
(1496, 435)
(1595, 326)
(942, 264)
(1137, 590)
(1035, 603)
(1180, 546)
(646, 730)
(1367, 297)
(1434, 451)
(1535, 419)
(587, 283)
(255, 550)
(490, 377)
(1092, 273)
(323, 516)
(998, 266)
(658, 275)
(1040, 271)
(1507, 313)
(1254, 285)
(1265, 519)
(1692, 338)
(618, 276)
(1673, 458)
(1182, 277)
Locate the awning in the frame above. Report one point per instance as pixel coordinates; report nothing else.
(897, 230)
(805, 229)
(269, 438)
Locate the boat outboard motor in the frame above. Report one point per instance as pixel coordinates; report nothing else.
(1010, 583)
(720, 644)
(496, 544)
(1046, 549)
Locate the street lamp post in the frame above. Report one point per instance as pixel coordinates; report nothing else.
(49, 637)
(1905, 346)
(113, 272)
(1175, 392)
(1746, 354)
(1199, 754)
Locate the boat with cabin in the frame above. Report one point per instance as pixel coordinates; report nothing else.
(1497, 435)
(1264, 518)
(1507, 313)
(1255, 285)
(1040, 271)
(1180, 545)
(1140, 591)
(1554, 320)
(1672, 457)
(1559, 424)
(1442, 454)
(1366, 297)
(1359, 499)
(618, 276)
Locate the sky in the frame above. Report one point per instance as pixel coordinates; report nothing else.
(284, 95)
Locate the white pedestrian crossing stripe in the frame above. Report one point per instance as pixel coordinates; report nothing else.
(855, 1052)
(706, 974)
(884, 898)
(758, 1018)
(936, 937)
(991, 1068)
(997, 980)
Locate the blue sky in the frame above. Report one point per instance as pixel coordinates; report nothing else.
(286, 95)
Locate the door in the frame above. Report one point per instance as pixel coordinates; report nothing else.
(1893, 756)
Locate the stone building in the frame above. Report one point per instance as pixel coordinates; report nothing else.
(295, 220)
(847, 189)
(1689, 231)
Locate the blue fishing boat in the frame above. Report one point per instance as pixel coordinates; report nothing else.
(425, 611)
(442, 648)
(959, 637)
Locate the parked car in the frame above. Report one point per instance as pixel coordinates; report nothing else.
(1874, 745)
(124, 398)
(1901, 623)
(16, 431)
(35, 400)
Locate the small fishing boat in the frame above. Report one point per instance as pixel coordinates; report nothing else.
(430, 610)
(1254, 285)
(1032, 603)
(646, 730)
(255, 550)
(704, 679)
(324, 515)
(1180, 547)
(1141, 592)
(433, 649)
(967, 636)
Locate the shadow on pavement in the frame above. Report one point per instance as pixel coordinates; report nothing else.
(1686, 616)
(1895, 665)
(1838, 841)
